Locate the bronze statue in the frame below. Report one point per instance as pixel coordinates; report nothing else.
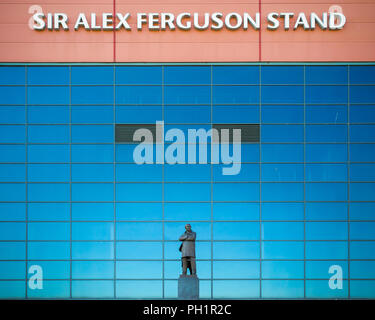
(187, 249)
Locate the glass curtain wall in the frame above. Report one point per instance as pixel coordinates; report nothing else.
(75, 206)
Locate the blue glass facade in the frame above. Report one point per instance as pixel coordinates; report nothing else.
(73, 201)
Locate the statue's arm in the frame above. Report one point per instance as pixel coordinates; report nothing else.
(183, 237)
(191, 237)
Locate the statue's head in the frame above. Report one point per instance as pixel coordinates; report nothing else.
(188, 227)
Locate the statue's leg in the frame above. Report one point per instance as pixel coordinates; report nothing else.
(193, 265)
(184, 265)
(189, 263)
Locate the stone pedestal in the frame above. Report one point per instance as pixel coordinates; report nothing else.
(188, 287)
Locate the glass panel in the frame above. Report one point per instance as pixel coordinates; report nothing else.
(12, 75)
(92, 231)
(139, 211)
(326, 152)
(362, 191)
(92, 95)
(138, 269)
(362, 94)
(326, 211)
(362, 250)
(282, 191)
(92, 269)
(92, 172)
(92, 211)
(12, 134)
(362, 230)
(48, 153)
(235, 74)
(236, 250)
(362, 211)
(12, 173)
(48, 114)
(51, 289)
(47, 75)
(14, 270)
(282, 231)
(282, 153)
(282, 114)
(320, 289)
(92, 114)
(92, 75)
(12, 192)
(282, 250)
(93, 289)
(236, 269)
(139, 231)
(187, 192)
(326, 250)
(327, 74)
(12, 211)
(282, 94)
(282, 133)
(282, 269)
(362, 289)
(362, 74)
(138, 94)
(235, 211)
(48, 95)
(92, 250)
(235, 289)
(12, 250)
(52, 269)
(12, 95)
(235, 94)
(48, 211)
(236, 191)
(139, 250)
(187, 211)
(12, 114)
(326, 191)
(362, 114)
(282, 289)
(187, 75)
(282, 211)
(236, 231)
(282, 74)
(326, 133)
(12, 153)
(92, 153)
(138, 192)
(48, 231)
(327, 94)
(138, 75)
(138, 114)
(326, 172)
(48, 250)
(327, 231)
(139, 289)
(92, 192)
(48, 172)
(54, 192)
(282, 172)
(48, 134)
(327, 114)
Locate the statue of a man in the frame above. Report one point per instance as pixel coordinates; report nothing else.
(187, 249)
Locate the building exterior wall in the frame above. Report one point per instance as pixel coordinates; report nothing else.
(73, 201)
(355, 42)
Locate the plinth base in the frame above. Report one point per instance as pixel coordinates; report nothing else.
(188, 287)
